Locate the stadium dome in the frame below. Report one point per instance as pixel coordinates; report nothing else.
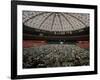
(55, 21)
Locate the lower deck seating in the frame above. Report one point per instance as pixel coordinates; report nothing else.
(55, 55)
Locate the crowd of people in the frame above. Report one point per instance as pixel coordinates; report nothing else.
(55, 55)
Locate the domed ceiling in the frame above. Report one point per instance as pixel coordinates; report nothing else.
(55, 21)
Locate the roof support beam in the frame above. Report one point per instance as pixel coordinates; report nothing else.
(53, 21)
(34, 17)
(77, 19)
(45, 20)
(60, 21)
(67, 20)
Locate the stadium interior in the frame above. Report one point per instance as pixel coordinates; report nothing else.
(55, 39)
